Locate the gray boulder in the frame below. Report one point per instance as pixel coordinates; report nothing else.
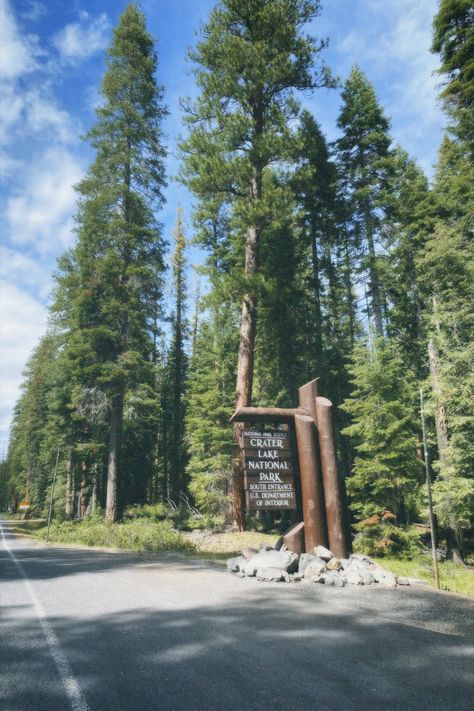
(234, 565)
(334, 579)
(353, 576)
(314, 570)
(403, 581)
(367, 577)
(322, 552)
(304, 561)
(282, 560)
(270, 575)
(388, 581)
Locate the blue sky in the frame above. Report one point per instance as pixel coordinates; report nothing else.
(51, 64)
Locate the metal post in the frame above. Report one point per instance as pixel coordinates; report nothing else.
(332, 486)
(311, 484)
(52, 496)
(428, 486)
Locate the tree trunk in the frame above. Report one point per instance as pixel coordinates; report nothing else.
(318, 328)
(348, 290)
(374, 282)
(453, 533)
(82, 490)
(440, 409)
(245, 363)
(112, 513)
(69, 507)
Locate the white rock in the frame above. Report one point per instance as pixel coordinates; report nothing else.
(322, 552)
(353, 577)
(388, 581)
(315, 569)
(283, 560)
(269, 575)
(334, 579)
(367, 578)
(403, 581)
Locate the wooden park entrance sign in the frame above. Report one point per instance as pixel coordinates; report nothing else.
(269, 469)
(289, 456)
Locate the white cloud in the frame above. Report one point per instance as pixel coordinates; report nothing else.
(17, 53)
(27, 108)
(82, 39)
(22, 321)
(18, 268)
(40, 216)
(393, 48)
(34, 11)
(33, 111)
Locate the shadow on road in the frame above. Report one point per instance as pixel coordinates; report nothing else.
(248, 648)
(254, 656)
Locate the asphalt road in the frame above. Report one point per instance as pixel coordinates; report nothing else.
(83, 629)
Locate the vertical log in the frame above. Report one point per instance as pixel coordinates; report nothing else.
(307, 396)
(112, 513)
(82, 490)
(69, 507)
(332, 488)
(311, 484)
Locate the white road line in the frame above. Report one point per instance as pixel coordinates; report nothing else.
(78, 702)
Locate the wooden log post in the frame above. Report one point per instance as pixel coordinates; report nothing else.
(314, 517)
(307, 396)
(332, 487)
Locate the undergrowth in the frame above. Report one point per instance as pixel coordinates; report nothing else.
(140, 534)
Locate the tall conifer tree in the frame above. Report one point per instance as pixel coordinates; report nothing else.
(109, 284)
(252, 58)
(363, 153)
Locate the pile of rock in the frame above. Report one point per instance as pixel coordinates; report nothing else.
(279, 564)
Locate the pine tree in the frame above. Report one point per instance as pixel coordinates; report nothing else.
(109, 285)
(175, 372)
(445, 265)
(252, 58)
(209, 404)
(409, 207)
(385, 473)
(453, 40)
(363, 153)
(35, 437)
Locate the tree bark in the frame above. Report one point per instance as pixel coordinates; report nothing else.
(112, 513)
(348, 290)
(82, 490)
(374, 282)
(440, 409)
(245, 363)
(318, 321)
(333, 493)
(69, 507)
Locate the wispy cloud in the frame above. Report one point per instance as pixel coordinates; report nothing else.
(82, 39)
(23, 321)
(395, 43)
(17, 268)
(17, 54)
(40, 216)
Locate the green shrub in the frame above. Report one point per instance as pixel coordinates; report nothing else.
(136, 534)
(379, 536)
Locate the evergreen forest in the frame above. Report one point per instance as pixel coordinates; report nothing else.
(338, 260)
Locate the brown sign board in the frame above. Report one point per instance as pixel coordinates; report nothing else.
(269, 469)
